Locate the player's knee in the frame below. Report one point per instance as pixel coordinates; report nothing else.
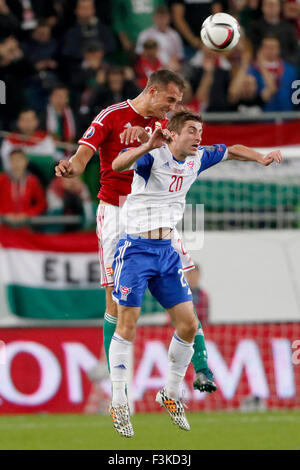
(188, 329)
(126, 324)
(111, 306)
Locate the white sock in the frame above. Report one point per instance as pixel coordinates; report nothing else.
(110, 318)
(119, 354)
(180, 354)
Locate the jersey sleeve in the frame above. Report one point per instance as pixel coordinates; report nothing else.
(212, 155)
(143, 165)
(95, 134)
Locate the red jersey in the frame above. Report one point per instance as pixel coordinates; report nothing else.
(104, 135)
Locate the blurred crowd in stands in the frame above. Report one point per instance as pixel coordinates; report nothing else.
(62, 61)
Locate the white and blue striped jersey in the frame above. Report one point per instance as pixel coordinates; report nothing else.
(160, 185)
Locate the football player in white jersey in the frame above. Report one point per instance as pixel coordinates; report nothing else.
(165, 168)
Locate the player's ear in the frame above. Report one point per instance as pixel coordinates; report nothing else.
(173, 134)
(152, 90)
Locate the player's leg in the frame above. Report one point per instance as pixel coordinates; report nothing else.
(109, 321)
(181, 346)
(204, 381)
(130, 268)
(120, 352)
(173, 292)
(108, 236)
(179, 357)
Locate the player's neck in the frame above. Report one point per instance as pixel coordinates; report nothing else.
(140, 105)
(176, 153)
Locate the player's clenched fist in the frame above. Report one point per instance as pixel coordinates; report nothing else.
(65, 169)
(159, 138)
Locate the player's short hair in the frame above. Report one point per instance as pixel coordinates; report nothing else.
(179, 119)
(163, 77)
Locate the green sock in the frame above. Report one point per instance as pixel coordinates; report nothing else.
(199, 358)
(109, 326)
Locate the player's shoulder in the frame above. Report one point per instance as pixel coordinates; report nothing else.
(211, 148)
(112, 113)
(161, 154)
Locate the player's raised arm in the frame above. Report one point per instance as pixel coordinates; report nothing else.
(76, 165)
(127, 158)
(243, 153)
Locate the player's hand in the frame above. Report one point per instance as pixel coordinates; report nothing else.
(274, 156)
(159, 137)
(64, 169)
(134, 133)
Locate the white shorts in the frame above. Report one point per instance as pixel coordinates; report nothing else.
(109, 233)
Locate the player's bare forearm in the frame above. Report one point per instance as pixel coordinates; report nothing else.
(76, 165)
(125, 160)
(246, 154)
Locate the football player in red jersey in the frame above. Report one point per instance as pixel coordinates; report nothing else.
(131, 123)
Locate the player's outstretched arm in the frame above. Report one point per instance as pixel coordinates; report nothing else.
(76, 165)
(246, 154)
(127, 158)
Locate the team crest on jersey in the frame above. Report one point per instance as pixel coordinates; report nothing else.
(109, 271)
(191, 164)
(157, 125)
(89, 133)
(125, 291)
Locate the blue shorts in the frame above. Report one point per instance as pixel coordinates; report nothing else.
(140, 263)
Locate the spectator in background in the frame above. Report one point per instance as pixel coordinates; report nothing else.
(271, 23)
(188, 17)
(42, 51)
(274, 76)
(60, 122)
(70, 196)
(210, 77)
(38, 146)
(14, 71)
(88, 28)
(130, 18)
(29, 137)
(29, 12)
(291, 12)
(85, 78)
(246, 12)
(191, 100)
(200, 297)
(243, 94)
(21, 194)
(170, 46)
(117, 85)
(147, 63)
(9, 25)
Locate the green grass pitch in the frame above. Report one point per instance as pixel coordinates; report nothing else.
(234, 430)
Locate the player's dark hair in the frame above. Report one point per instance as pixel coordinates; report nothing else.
(179, 119)
(163, 77)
